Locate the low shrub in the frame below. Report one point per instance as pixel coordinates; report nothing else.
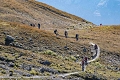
(49, 52)
(33, 72)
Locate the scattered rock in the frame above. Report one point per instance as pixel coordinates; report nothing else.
(45, 62)
(21, 54)
(22, 73)
(26, 67)
(2, 58)
(30, 39)
(5, 33)
(18, 45)
(42, 70)
(11, 64)
(66, 48)
(11, 73)
(9, 39)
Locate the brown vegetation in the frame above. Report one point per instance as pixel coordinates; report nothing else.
(43, 44)
(30, 11)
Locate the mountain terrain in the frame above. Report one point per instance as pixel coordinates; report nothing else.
(32, 12)
(39, 52)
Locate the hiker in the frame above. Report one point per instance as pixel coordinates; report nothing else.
(86, 60)
(32, 25)
(56, 32)
(84, 49)
(101, 24)
(38, 26)
(66, 34)
(77, 35)
(95, 48)
(83, 65)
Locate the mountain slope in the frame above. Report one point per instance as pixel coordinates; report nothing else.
(40, 52)
(30, 11)
(35, 50)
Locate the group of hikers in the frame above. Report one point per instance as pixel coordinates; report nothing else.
(33, 25)
(56, 32)
(94, 50)
(66, 34)
(85, 59)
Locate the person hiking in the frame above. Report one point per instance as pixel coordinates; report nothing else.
(76, 36)
(56, 32)
(86, 60)
(66, 34)
(83, 65)
(96, 48)
(84, 49)
(38, 26)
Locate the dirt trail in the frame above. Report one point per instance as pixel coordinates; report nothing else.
(96, 56)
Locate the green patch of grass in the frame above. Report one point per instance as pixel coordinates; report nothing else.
(33, 72)
(73, 58)
(3, 72)
(49, 52)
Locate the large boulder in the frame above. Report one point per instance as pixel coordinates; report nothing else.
(9, 39)
(45, 62)
(11, 64)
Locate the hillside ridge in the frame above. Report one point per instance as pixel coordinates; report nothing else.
(33, 12)
(30, 51)
(40, 52)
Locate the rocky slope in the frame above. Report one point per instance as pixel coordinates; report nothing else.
(39, 52)
(33, 12)
(35, 52)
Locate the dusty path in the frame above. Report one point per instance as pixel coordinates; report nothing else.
(60, 76)
(96, 56)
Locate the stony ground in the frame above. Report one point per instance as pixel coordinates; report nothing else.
(40, 52)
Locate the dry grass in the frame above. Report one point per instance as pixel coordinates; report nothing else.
(107, 37)
(31, 11)
(61, 63)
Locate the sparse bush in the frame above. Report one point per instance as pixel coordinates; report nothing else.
(98, 65)
(67, 58)
(11, 72)
(16, 65)
(49, 52)
(3, 72)
(73, 58)
(47, 74)
(33, 72)
(60, 57)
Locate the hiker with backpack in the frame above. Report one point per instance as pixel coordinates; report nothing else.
(38, 26)
(95, 48)
(56, 32)
(76, 36)
(66, 34)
